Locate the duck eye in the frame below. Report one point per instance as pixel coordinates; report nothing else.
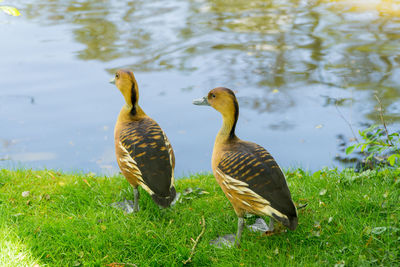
(117, 75)
(213, 96)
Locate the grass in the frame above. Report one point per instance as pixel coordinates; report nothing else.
(352, 219)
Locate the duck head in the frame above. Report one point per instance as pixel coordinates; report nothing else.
(127, 85)
(223, 100)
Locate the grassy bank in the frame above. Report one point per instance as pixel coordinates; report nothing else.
(66, 220)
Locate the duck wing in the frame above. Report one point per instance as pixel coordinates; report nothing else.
(252, 173)
(148, 155)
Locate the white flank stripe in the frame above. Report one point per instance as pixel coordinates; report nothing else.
(242, 188)
(131, 167)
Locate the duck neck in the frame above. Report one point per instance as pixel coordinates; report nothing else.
(227, 131)
(127, 115)
(135, 110)
(132, 101)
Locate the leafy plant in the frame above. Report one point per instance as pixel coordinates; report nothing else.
(378, 142)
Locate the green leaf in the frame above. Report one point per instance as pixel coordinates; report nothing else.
(350, 149)
(363, 147)
(373, 149)
(12, 11)
(379, 132)
(392, 159)
(372, 127)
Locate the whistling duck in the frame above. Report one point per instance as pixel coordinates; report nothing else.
(144, 154)
(248, 175)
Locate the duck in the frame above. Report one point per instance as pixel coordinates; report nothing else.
(248, 175)
(143, 151)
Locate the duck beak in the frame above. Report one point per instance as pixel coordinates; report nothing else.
(112, 80)
(201, 101)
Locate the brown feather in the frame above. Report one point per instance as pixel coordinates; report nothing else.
(144, 153)
(249, 176)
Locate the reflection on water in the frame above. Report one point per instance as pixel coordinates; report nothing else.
(291, 63)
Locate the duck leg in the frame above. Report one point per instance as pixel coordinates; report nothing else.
(239, 231)
(271, 225)
(230, 240)
(135, 199)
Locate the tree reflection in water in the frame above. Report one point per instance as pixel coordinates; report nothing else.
(328, 52)
(270, 44)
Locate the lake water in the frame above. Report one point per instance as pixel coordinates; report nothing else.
(288, 61)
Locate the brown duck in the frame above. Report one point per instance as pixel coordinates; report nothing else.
(144, 154)
(248, 175)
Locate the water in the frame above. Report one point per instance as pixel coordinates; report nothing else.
(288, 61)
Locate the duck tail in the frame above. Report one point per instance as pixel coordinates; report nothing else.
(165, 201)
(293, 221)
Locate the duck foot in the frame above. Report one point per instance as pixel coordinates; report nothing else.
(126, 205)
(177, 197)
(260, 226)
(226, 241)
